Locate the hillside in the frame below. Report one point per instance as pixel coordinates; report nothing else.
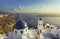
(6, 23)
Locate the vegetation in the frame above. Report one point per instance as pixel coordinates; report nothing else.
(6, 23)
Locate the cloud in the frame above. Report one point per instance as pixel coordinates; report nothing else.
(19, 8)
(39, 9)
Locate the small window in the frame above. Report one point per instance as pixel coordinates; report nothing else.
(40, 31)
(21, 32)
(51, 27)
(57, 35)
(40, 18)
(15, 31)
(41, 24)
(26, 30)
(47, 26)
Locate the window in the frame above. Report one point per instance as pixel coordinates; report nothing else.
(41, 24)
(40, 19)
(40, 31)
(15, 31)
(51, 27)
(57, 36)
(26, 30)
(21, 32)
(47, 26)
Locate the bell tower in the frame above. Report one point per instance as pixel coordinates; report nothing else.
(40, 27)
(40, 23)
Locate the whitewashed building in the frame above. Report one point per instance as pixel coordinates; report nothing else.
(21, 31)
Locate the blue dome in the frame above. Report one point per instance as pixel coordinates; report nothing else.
(20, 25)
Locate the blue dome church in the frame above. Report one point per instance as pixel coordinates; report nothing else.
(19, 27)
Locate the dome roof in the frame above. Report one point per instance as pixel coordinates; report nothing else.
(20, 25)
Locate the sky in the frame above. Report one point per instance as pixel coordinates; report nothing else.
(30, 6)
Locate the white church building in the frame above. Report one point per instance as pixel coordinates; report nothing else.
(21, 31)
